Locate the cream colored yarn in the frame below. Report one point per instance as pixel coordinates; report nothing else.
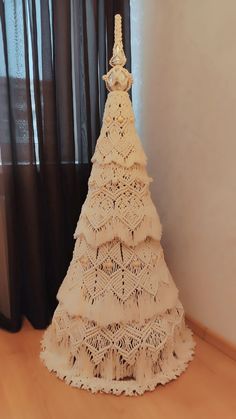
(119, 325)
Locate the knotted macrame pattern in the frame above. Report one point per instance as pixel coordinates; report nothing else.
(134, 281)
(119, 325)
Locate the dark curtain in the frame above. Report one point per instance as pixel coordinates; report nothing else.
(52, 56)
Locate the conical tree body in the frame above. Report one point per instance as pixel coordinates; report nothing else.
(119, 325)
(118, 204)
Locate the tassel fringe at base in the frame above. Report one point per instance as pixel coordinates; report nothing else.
(113, 373)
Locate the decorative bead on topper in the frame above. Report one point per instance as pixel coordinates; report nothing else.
(118, 78)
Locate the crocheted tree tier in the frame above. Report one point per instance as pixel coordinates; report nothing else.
(118, 358)
(118, 141)
(134, 281)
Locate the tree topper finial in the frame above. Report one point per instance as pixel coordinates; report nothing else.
(118, 57)
(118, 78)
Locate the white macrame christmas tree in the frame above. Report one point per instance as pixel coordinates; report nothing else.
(119, 325)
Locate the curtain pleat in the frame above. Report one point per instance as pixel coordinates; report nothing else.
(53, 54)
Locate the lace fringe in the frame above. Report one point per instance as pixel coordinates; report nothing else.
(102, 175)
(137, 308)
(135, 156)
(116, 229)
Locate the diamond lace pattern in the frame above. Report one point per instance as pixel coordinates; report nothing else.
(120, 208)
(116, 267)
(119, 276)
(118, 141)
(125, 339)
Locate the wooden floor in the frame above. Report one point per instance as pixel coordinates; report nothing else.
(207, 390)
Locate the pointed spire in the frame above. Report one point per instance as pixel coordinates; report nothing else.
(118, 78)
(118, 57)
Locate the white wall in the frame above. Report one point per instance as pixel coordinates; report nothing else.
(184, 66)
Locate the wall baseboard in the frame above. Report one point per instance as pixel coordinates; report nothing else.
(228, 348)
